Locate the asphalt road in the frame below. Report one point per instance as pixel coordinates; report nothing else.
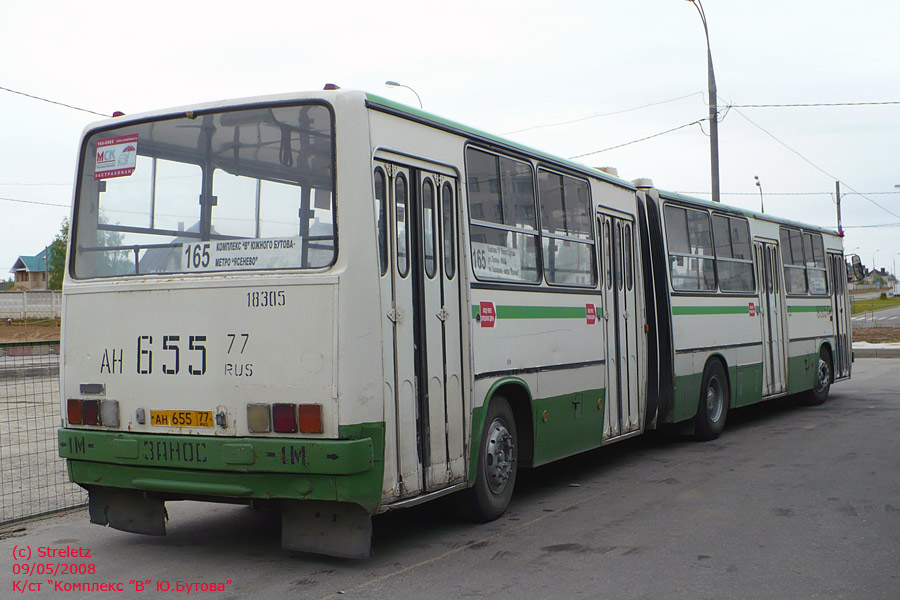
(791, 502)
(886, 317)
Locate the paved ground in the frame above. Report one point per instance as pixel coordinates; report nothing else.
(886, 317)
(793, 503)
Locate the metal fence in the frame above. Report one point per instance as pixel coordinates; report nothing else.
(33, 479)
(33, 304)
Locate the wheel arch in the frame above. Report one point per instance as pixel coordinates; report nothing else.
(518, 394)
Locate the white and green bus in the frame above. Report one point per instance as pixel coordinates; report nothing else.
(334, 305)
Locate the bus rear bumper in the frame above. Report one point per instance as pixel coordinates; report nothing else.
(325, 489)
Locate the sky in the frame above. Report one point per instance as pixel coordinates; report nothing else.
(570, 78)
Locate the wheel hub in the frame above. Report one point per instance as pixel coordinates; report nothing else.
(498, 456)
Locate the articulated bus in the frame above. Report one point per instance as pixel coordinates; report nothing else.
(334, 305)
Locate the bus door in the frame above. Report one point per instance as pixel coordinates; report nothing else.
(620, 316)
(771, 316)
(840, 314)
(423, 359)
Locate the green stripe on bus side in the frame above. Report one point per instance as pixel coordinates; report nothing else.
(539, 312)
(803, 309)
(711, 310)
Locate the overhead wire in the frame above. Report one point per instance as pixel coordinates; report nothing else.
(598, 115)
(6, 89)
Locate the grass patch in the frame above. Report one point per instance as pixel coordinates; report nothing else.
(860, 306)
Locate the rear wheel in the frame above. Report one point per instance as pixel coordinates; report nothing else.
(714, 398)
(497, 463)
(822, 385)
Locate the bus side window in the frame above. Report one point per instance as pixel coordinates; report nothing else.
(607, 250)
(400, 207)
(381, 218)
(629, 259)
(448, 216)
(429, 226)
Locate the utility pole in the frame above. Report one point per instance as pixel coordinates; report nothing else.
(837, 195)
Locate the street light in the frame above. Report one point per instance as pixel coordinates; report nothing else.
(713, 110)
(395, 84)
(762, 208)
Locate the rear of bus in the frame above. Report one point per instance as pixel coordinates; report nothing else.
(201, 341)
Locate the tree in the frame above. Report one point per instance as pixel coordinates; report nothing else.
(57, 256)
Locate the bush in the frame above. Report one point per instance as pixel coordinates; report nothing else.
(883, 296)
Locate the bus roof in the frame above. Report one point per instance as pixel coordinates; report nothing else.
(390, 106)
(708, 204)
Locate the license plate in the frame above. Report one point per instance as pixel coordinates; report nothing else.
(181, 418)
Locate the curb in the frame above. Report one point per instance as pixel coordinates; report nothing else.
(876, 352)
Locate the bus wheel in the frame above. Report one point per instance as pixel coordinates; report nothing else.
(822, 384)
(714, 396)
(497, 463)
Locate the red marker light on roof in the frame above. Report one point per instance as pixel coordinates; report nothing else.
(118, 113)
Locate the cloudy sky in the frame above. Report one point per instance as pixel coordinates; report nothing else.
(568, 77)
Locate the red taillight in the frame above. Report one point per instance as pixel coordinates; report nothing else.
(284, 418)
(73, 411)
(311, 418)
(90, 412)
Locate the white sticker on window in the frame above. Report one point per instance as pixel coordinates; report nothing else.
(237, 255)
(116, 157)
(497, 262)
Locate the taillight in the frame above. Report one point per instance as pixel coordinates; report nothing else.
(92, 412)
(284, 418)
(73, 411)
(311, 418)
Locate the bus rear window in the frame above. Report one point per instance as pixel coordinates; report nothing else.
(230, 191)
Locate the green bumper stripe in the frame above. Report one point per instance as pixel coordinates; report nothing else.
(540, 312)
(246, 455)
(803, 309)
(711, 310)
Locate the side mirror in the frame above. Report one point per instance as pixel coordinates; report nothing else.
(856, 272)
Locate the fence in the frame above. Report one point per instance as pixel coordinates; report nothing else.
(33, 479)
(32, 304)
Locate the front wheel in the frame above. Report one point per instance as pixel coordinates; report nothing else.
(497, 463)
(714, 398)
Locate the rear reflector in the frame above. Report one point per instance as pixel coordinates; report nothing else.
(311, 418)
(258, 418)
(284, 418)
(109, 413)
(90, 412)
(73, 411)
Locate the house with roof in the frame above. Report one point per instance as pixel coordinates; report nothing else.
(32, 272)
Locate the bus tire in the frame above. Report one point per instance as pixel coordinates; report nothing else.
(714, 399)
(497, 464)
(822, 385)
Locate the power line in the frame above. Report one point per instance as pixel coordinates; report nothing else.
(596, 116)
(815, 166)
(804, 105)
(790, 193)
(649, 137)
(34, 202)
(53, 102)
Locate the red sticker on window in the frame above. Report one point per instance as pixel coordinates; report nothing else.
(591, 312)
(488, 314)
(752, 310)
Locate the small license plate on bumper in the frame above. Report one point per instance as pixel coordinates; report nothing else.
(181, 418)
